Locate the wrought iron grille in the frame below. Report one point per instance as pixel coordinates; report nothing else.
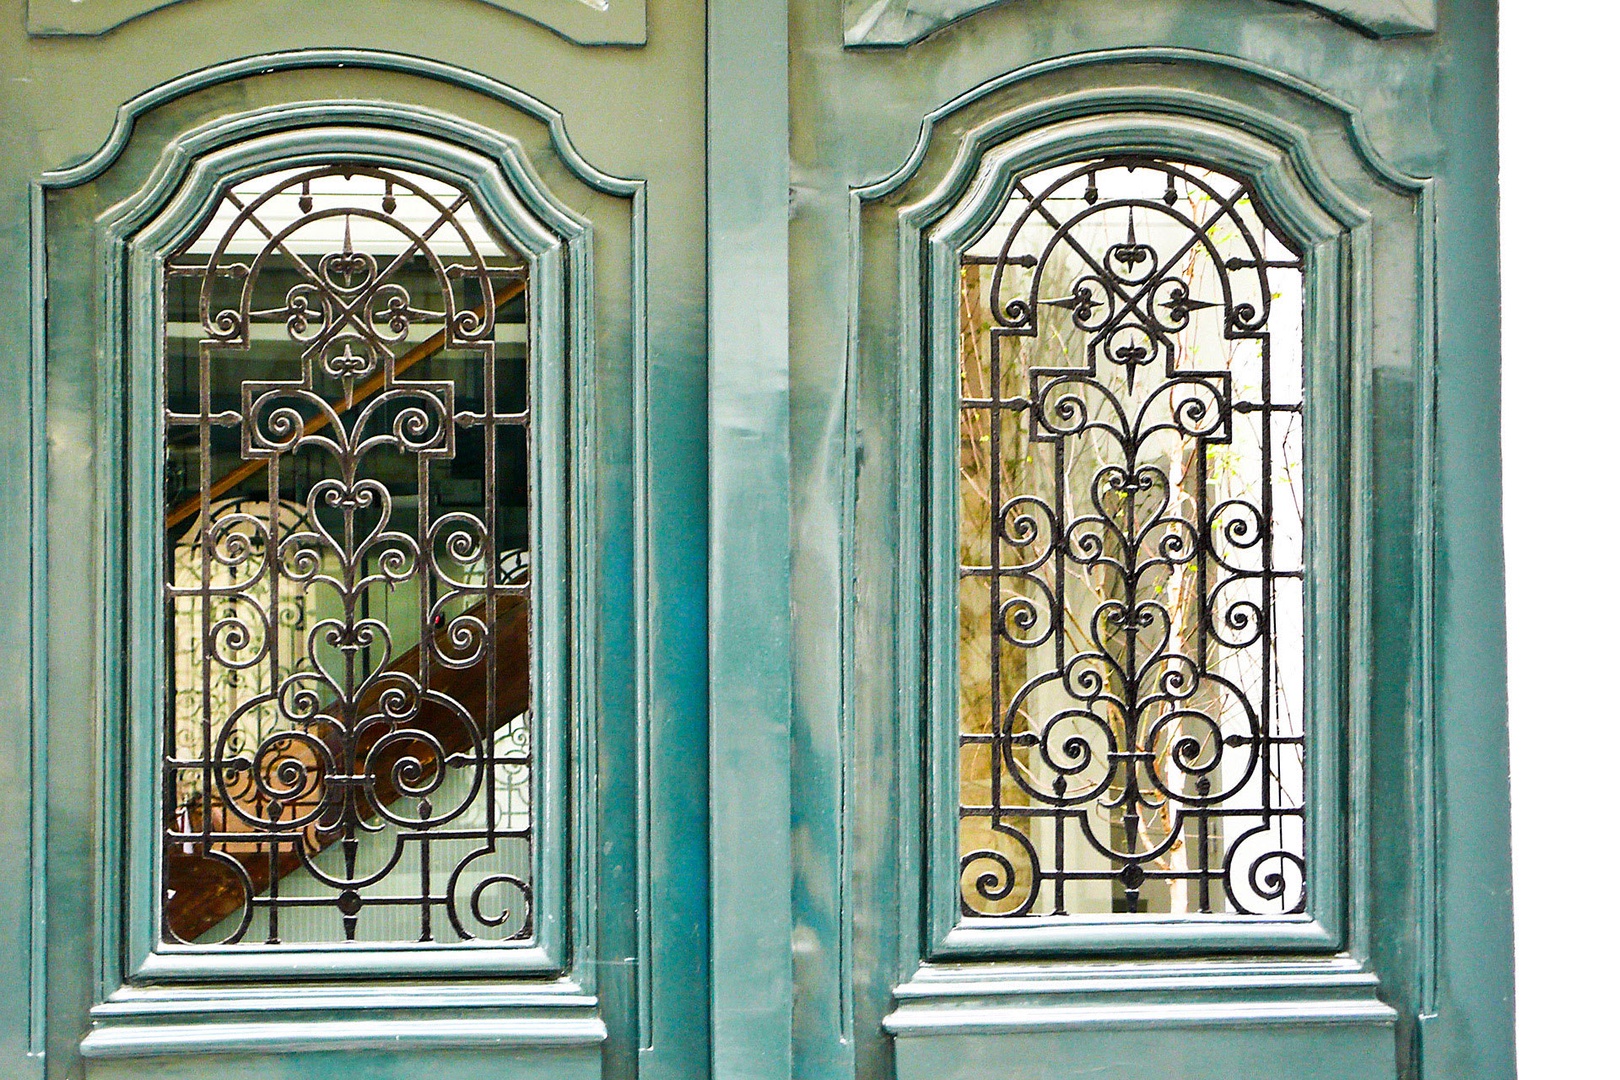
(1131, 521)
(347, 754)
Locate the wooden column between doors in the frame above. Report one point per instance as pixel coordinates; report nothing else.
(750, 658)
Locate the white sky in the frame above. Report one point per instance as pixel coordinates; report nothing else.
(1563, 613)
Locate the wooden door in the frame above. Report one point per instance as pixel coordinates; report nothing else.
(804, 538)
(363, 722)
(1143, 364)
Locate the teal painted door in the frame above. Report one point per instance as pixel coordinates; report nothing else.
(805, 538)
(1146, 609)
(417, 775)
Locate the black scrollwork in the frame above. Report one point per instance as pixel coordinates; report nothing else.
(349, 736)
(1121, 467)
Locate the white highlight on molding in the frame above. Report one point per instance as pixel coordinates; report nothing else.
(874, 23)
(584, 22)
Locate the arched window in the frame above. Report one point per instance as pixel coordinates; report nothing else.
(1131, 528)
(347, 754)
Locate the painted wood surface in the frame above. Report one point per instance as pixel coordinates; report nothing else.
(878, 23)
(751, 534)
(635, 1001)
(759, 878)
(588, 22)
(1362, 106)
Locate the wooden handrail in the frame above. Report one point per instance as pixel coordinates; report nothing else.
(416, 355)
(201, 891)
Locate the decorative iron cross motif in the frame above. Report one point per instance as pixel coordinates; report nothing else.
(1120, 533)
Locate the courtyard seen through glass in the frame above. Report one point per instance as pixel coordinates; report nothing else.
(348, 751)
(1131, 531)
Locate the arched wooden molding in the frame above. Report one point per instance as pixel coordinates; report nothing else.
(878, 23)
(584, 22)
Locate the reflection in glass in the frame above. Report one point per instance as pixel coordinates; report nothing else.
(348, 752)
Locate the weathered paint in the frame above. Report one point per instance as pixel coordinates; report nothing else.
(588, 22)
(777, 448)
(877, 23)
(643, 947)
(750, 537)
(1389, 120)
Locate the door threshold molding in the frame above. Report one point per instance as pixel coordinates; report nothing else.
(941, 997)
(158, 1021)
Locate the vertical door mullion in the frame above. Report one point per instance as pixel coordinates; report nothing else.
(750, 657)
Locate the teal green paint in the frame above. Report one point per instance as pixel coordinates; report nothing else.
(126, 1025)
(135, 243)
(356, 1061)
(750, 644)
(38, 670)
(305, 59)
(587, 22)
(952, 216)
(1310, 170)
(1268, 1046)
(252, 141)
(876, 23)
(1470, 1031)
(1362, 108)
(805, 442)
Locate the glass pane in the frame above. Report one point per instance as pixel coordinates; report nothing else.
(1131, 636)
(348, 754)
